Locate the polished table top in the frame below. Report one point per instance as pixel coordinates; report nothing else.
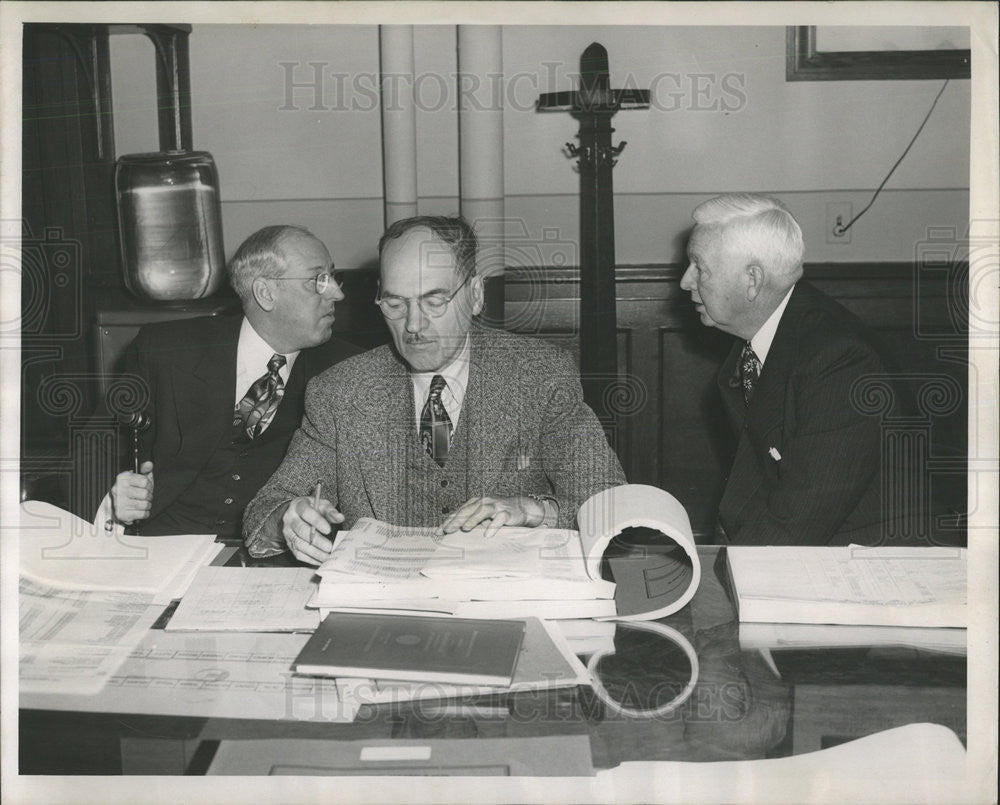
(745, 703)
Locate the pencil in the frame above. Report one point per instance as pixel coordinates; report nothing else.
(317, 491)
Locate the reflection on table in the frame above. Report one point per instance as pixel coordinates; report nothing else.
(680, 689)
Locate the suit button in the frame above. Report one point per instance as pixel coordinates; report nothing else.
(236, 476)
(445, 509)
(228, 501)
(444, 483)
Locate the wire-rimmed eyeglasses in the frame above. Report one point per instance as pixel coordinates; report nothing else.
(321, 283)
(432, 304)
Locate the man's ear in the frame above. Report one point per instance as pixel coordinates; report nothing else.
(263, 293)
(478, 294)
(755, 281)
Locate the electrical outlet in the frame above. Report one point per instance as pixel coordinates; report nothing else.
(838, 214)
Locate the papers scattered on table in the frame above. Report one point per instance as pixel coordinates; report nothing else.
(72, 641)
(88, 596)
(234, 675)
(923, 587)
(248, 599)
(59, 548)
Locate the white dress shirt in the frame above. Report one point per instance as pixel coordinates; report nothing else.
(456, 375)
(761, 342)
(252, 355)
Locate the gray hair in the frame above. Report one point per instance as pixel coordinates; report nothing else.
(261, 255)
(761, 226)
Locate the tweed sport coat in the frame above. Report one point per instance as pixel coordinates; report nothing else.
(524, 429)
(808, 464)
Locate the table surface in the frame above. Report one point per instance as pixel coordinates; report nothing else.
(740, 707)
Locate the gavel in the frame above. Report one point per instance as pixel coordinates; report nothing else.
(138, 422)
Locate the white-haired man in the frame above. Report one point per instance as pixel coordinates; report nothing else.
(224, 394)
(807, 468)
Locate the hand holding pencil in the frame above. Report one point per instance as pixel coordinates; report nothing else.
(308, 524)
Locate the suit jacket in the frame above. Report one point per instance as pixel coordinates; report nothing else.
(186, 383)
(524, 429)
(826, 486)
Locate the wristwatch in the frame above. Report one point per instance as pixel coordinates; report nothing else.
(550, 510)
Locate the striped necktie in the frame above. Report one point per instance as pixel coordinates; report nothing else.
(435, 424)
(256, 409)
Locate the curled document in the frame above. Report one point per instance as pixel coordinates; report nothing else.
(640, 535)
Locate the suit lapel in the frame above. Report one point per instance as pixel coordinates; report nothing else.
(204, 390)
(766, 415)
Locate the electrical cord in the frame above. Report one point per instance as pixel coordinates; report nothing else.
(840, 230)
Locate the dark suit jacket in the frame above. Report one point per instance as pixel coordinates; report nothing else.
(524, 429)
(185, 376)
(826, 487)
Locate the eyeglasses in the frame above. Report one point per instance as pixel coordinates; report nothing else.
(432, 304)
(321, 283)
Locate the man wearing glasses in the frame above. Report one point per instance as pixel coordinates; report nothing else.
(452, 425)
(224, 394)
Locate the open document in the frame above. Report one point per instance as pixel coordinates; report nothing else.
(884, 586)
(72, 641)
(633, 558)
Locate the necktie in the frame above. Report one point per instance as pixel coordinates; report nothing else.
(435, 424)
(749, 372)
(256, 409)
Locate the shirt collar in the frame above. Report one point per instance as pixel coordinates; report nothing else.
(252, 355)
(761, 342)
(456, 375)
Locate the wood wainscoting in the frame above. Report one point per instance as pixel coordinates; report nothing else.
(670, 430)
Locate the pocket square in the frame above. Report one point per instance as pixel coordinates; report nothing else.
(773, 453)
(523, 462)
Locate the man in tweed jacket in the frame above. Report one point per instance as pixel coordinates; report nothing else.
(524, 448)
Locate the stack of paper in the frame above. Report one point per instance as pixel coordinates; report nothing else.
(640, 533)
(921, 587)
(61, 549)
(520, 572)
(247, 599)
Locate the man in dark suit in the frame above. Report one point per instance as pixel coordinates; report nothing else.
(807, 468)
(224, 394)
(451, 425)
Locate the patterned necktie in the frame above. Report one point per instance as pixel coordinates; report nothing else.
(749, 372)
(435, 424)
(256, 409)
